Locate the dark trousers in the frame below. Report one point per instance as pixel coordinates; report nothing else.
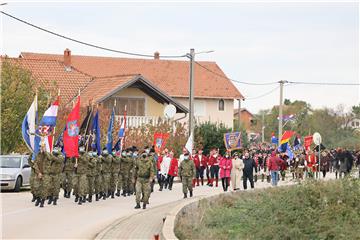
(200, 172)
(225, 183)
(214, 171)
(162, 181)
(245, 178)
(170, 181)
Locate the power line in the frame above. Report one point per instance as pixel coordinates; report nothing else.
(325, 83)
(88, 44)
(233, 80)
(263, 95)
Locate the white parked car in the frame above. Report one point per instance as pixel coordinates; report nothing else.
(14, 172)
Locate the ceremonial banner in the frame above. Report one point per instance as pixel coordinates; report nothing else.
(71, 133)
(96, 145)
(308, 141)
(160, 141)
(232, 140)
(28, 126)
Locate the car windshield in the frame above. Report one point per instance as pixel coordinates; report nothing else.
(10, 162)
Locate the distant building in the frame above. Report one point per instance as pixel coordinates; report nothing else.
(353, 123)
(246, 118)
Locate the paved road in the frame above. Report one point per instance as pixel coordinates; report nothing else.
(21, 219)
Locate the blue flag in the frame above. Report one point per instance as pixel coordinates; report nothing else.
(96, 134)
(109, 143)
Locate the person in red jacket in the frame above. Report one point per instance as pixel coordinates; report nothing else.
(173, 170)
(200, 161)
(225, 170)
(274, 163)
(213, 162)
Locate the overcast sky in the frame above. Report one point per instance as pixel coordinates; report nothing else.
(253, 42)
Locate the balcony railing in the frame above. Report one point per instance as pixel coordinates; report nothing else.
(137, 121)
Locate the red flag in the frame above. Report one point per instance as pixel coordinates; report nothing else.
(307, 141)
(160, 141)
(71, 133)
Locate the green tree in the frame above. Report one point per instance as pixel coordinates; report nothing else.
(17, 94)
(209, 135)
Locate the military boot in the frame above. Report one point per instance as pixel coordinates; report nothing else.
(104, 196)
(137, 206)
(96, 197)
(108, 194)
(38, 200)
(191, 193)
(123, 193)
(90, 198)
(65, 193)
(144, 205)
(76, 198)
(112, 194)
(33, 199)
(185, 195)
(50, 200)
(42, 203)
(118, 193)
(83, 199)
(54, 201)
(80, 201)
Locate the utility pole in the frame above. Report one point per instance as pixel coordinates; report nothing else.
(280, 109)
(191, 94)
(239, 113)
(263, 128)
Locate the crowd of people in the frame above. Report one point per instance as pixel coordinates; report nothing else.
(132, 171)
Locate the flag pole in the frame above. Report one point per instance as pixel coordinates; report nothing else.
(123, 144)
(76, 159)
(53, 135)
(87, 126)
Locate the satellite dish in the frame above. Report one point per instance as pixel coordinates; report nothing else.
(169, 111)
(317, 138)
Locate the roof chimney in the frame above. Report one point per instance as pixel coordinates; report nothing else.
(157, 55)
(67, 59)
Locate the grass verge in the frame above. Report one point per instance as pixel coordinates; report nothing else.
(313, 210)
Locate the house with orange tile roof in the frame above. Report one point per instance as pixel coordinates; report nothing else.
(145, 86)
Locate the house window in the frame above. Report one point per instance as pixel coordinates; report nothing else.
(134, 106)
(353, 124)
(221, 105)
(357, 124)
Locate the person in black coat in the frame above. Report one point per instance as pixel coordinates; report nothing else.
(248, 172)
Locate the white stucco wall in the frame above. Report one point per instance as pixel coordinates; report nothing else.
(207, 110)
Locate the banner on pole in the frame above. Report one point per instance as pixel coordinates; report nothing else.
(232, 140)
(307, 142)
(160, 141)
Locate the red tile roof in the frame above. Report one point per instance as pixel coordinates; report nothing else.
(170, 76)
(52, 73)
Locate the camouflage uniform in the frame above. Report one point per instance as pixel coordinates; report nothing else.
(114, 179)
(132, 180)
(126, 163)
(32, 179)
(143, 173)
(55, 177)
(42, 166)
(106, 169)
(80, 177)
(68, 173)
(98, 177)
(187, 172)
(91, 173)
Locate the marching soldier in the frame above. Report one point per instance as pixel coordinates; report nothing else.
(55, 176)
(115, 170)
(80, 177)
(42, 181)
(98, 176)
(91, 173)
(132, 181)
(143, 173)
(32, 179)
(68, 172)
(106, 169)
(187, 172)
(126, 163)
